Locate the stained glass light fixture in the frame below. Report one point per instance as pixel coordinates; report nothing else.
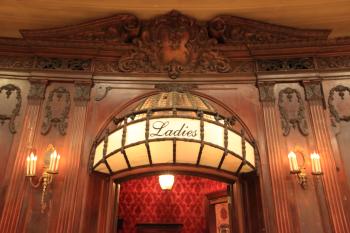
(174, 128)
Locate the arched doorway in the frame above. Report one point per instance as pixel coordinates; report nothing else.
(181, 132)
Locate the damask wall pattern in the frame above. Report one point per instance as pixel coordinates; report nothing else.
(143, 201)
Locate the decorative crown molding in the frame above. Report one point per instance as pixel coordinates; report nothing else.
(9, 89)
(56, 63)
(57, 118)
(289, 116)
(333, 62)
(171, 44)
(291, 64)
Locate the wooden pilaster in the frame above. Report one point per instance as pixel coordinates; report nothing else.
(18, 186)
(275, 157)
(333, 193)
(71, 193)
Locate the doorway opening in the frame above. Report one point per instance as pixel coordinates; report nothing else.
(193, 204)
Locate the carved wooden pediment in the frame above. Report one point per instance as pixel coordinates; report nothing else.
(171, 44)
(174, 43)
(118, 28)
(123, 28)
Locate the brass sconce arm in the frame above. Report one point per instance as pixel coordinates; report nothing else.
(302, 177)
(51, 163)
(300, 170)
(44, 181)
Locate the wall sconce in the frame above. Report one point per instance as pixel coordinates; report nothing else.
(51, 163)
(299, 170)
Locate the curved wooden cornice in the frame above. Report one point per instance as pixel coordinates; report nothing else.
(174, 44)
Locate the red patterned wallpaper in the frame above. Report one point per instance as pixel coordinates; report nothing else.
(143, 201)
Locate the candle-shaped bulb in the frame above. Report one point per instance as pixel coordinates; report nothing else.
(28, 165)
(35, 159)
(57, 162)
(32, 164)
(52, 160)
(293, 163)
(316, 164)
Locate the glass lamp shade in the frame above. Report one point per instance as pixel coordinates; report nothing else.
(166, 181)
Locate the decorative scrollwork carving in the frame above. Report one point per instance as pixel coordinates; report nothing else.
(335, 62)
(291, 117)
(305, 63)
(175, 44)
(16, 62)
(119, 28)
(231, 29)
(178, 87)
(102, 92)
(55, 63)
(337, 116)
(57, 118)
(8, 90)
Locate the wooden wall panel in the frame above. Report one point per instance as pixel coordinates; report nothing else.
(9, 141)
(303, 203)
(15, 204)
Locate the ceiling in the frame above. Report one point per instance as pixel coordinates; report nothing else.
(39, 14)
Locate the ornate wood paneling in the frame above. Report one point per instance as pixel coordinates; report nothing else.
(56, 111)
(333, 192)
(275, 154)
(129, 55)
(342, 114)
(14, 199)
(66, 214)
(292, 111)
(8, 90)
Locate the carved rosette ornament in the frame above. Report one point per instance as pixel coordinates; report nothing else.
(344, 97)
(8, 90)
(56, 111)
(174, 44)
(292, 111)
